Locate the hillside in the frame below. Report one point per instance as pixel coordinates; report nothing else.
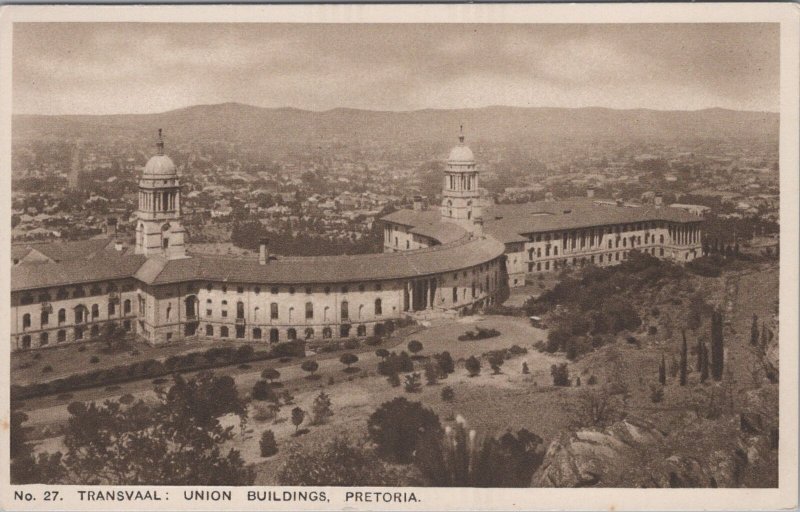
(285, 128)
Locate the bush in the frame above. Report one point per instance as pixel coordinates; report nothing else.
(270, 374)
(413, 383)
(560, 374)
(496, 360)
(348, 359)
(448, 395)
(414, 346)
(473, 366)
(431, 374)
(479, 334)
(382, 353)
(592, 380)
(94, 359)
(352, 344)
(394, 379)
(267, 444)
(397, 363)
(652, 330)
(263, 391)
(264, 413)
(126, 399)
(296, 348)
(373, 341)
(396, 426)
(706, 266)
(445, 363)
(244, 353)
(321, 409)
(310, 366)
(82, 348)
(337, 463)
(656, 393)
(298, 415)
(47, 369)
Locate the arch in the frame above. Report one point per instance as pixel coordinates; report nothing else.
(344, 330)
(26, 342)
(191, 306)
(344, 308)
(224, 331)
(44, 317)
(291, 334)
(360, 311)
(126, 307)
(327, 332)
(273, 310)
(26, 320)
(95, 311)
(209, 330)
(44, 339)
(94, 331)
(309, 334)
(240, 310)
(325, 315)
(274, 335)
(309, 310)
(291, 313)
(61, 336)
(378, 330)
(378, 307)
(361, 330)
(256, 333)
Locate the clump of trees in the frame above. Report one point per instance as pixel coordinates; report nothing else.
(337, 463)
(396, 426)
(321, 409)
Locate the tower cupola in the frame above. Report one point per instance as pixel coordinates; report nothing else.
(460, 193)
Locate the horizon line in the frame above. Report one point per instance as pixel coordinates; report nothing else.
(322, 111)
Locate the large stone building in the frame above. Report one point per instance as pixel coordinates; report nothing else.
(161, 292)
(547, 235)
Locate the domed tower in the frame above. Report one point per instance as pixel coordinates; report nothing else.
(159, 230)
(460, 195)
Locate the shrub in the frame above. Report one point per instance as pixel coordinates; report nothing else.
(351, 344)
(431, 374)
(560, 374)
(126, 399)
(414, 346)
(296, 348)
(656, 393)
(394, 379)
(82, 348)
(525, 369)
(298, 415)
(372, 341)
(496, 360)
(94, 359)
(596, 407)
(445, 363)
(448, 395)
(331, 381)
(382, 353)
(473, 366)
(592, 380)
(396, 426)
(264, 413)
(270, 374)
(47, 369)
(397, 363)
(310, 366)
(337, 463)
(413, 383)
(287, 397)
(348, 359)
(321, 409)
(267, 444)
(244, 353)
(264, 392)
(652, 330)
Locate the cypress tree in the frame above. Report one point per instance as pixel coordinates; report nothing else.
(684, 360)
(704, 362)
(754, 331)
(662, 371)
(717, 348)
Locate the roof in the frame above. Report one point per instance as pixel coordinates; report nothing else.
(64, 251)
(160, 165)
(324, 269)
(461, 154)
(427, 223)
(102, 266)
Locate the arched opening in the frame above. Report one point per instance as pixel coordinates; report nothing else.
(256, 333)
(378, 307)
(361, 330)
(44, 339)
(379, 330)
(291, 334)
(224, 332)
(209, 330)
(273, 335)
(61, 337)
(309, 333)
(26, 342)
(327, 333)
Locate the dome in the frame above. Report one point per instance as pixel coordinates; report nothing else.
(160, 165)
(461, 154)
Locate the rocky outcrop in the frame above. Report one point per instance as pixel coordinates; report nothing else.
(633, 453)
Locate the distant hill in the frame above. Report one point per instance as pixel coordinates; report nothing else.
(290, 128)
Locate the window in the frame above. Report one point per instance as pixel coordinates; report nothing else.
(661, 239)
(291, 334)
(239, 331)
(126, 306)
(209, 312)
(327, 290)
(126, 325)
(62, 316)
(309, 310)
(209, 330)
(291, 290)
(44, 318)
(79, 333)
(239, 289)
(240, 310)
(256, 333)
(408, 244)
(224, 289)
(344, 330)
(344, 310)
(95, 331)
(273, 311)
(96, 290)
(44, 339)
(112, 308)
(26, 320)
(61, 294)
(274, 290)
(225, 313)
(378, 307)
(361, 287)
(327, 333)
(455, 294)
(257, 290)
(273, 335)
(165, 242)
(378, 287)
(223, 331)
(61, 337)
(79, 292)
(209, 287)
(308, 290)
(309, 334)
(361, 330)
(44, 297)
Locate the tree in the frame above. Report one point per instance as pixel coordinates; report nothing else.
(525, 369)
(413, 383)
(699, 363)
(270, 374)
(394, 379)
(473, 366)
(310, 367)
(348, 359)
(414, 346)
(448, 395)
(337, 463)
(496, 360)
(560, 374)
(382, 353)
(26, 468)
(268, 445)
(176, 441)
(446, 363)
(684, 361)
(321, 409)
(754, 331)
(662, 371)
(431, 374)
(717, 346)
(396, 426)
(264, 392)
(298, 415)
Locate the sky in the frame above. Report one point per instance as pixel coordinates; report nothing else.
(108, 68)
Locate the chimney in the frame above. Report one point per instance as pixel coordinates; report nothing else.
(590, 192)
(477, 224)
(418, 203)
(658, 200)
(263, 251)
(111, 227)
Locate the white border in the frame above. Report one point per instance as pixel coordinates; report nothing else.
(788, 15)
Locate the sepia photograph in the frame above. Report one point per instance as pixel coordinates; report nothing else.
(297, 256)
